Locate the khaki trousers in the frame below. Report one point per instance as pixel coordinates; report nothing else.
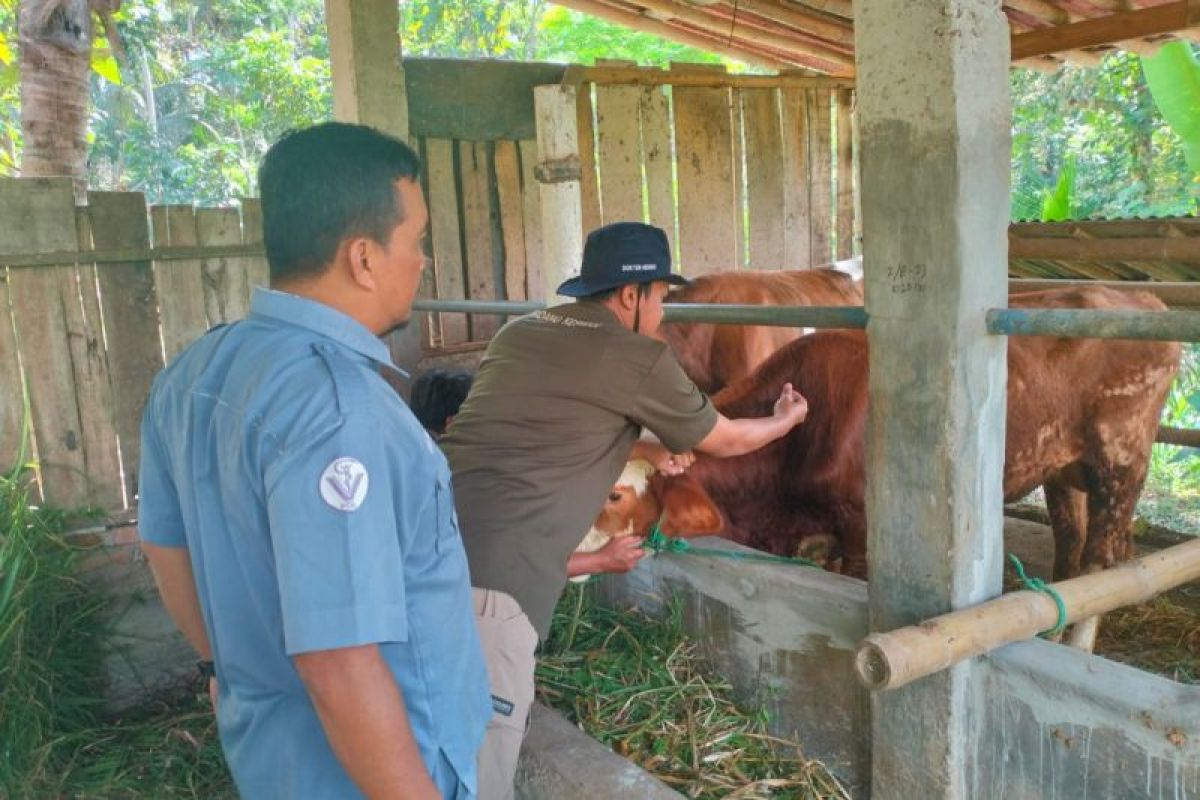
(509, 642)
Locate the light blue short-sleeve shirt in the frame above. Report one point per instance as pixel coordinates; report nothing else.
(318, 514)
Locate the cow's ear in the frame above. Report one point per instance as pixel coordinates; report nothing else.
(687, 508)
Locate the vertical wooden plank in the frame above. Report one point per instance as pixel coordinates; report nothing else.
(559, 141)
(797, 240)
(93, 381)
(821, 179)
(444, 223)
(845, 174)
(532, 209)
(707, 192)
(401, 344)
(258, 274)
(512, 223)
(39, 216)
(130, 308)
(764, 178)
(178, 284)
(620, 153)
(12, 397)
(477, 229)
(224, 283)
(658, 159)
(741, 233)
(588, 186)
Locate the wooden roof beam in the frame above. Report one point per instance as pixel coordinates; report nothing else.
(840, 8)
(695, 18)
(820, 25)
(1107, 30)
(641, 22)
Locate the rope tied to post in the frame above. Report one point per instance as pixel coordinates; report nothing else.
(658, 542)
(1039, 585)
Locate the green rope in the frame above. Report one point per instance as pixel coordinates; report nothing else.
(660, 543)
(1039, 585)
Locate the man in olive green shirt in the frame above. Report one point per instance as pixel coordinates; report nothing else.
(554, 414)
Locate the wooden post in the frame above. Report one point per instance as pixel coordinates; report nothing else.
(369, 88)
(558, 172)
(933, 100)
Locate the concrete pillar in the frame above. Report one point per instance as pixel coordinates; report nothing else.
(934, 129)
(368, 76)
(558, 173)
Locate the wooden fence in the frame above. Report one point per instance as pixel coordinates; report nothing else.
(741, 171)
(83, 340)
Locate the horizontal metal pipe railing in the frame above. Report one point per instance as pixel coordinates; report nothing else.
(777, 316)
(1091, 323)
(1177, 326)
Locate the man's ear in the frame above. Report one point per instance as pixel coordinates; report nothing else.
(358, 261)
(687, 508)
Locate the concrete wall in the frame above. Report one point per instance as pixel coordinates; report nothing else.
(1057, 723)
(794, 658)
(146, 653)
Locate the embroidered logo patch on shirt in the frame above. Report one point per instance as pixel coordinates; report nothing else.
(344, 484)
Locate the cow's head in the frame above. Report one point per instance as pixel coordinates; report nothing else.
(642, 497)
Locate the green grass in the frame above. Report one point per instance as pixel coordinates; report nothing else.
(50, 641)
(55, 741)
(639, 685)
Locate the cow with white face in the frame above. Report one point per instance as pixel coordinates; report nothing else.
(641, 497)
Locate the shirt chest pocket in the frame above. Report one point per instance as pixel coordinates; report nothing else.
(446, 518)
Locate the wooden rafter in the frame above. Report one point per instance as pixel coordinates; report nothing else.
(1107, 30)
(641, 22)
(773, 39)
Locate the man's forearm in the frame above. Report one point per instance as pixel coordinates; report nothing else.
(362, 711)
(172, 570)
(584, 564)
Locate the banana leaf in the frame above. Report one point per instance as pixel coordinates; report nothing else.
(1173, 75)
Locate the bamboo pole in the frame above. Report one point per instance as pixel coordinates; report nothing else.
(889, 660)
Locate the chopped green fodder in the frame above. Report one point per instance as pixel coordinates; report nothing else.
(640, 686)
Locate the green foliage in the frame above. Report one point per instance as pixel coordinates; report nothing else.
(50, 642)
(1173, 75)
(1056, 206)
(572, 37)
(1129, 162)
(10, 90)
(216, 86)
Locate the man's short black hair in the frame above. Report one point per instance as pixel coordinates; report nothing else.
(323, 184)
(437, 395)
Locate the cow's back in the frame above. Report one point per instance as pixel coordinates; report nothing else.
(716, 355)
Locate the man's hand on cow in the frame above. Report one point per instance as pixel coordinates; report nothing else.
(791, 405)
(664, 460)
(621, 554)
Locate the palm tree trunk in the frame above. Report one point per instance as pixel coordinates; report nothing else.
(55, 38)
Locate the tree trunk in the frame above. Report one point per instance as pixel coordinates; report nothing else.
(55, 38)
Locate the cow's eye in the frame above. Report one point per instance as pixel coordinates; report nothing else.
(615, 497)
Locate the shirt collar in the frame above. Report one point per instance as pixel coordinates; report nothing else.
(324, 320)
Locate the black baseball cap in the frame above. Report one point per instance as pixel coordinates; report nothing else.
(619, 254)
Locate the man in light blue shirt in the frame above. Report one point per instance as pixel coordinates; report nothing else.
(298, 519)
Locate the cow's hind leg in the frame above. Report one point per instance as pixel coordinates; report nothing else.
(1110, 499)
(1068, 519)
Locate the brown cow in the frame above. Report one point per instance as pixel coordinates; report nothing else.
(1082, 417)
(715, 356)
